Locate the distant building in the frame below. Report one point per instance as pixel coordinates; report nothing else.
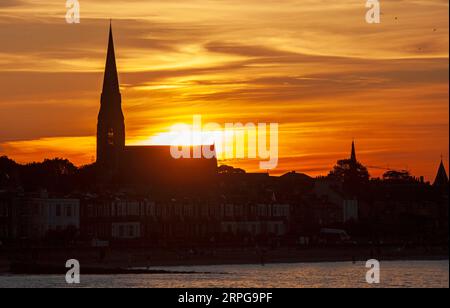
(126, 230)
(37, 216)
(441, 180)
(350, 210)
(8, 228)
(126, 218)
(115, 218)
(343, 192)
(255, 220)
(331, 191)
(184, 221)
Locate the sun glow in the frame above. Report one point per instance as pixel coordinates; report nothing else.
(231, 141)
(184, 135)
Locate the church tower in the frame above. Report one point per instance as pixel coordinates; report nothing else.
(111, 124)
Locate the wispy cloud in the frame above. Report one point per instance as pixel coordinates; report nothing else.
(315, 67)
(11, 3)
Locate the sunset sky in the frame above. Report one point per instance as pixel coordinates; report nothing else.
(315, 67)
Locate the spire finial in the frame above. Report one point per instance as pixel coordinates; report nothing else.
(111, 80)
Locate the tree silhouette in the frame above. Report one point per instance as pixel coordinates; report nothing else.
(224, 169)
(8, 172)
(398, 176)
(348, 170)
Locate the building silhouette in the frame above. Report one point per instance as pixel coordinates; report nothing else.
(140, 196)
(441, 177)
(145, 166)
(111, 122)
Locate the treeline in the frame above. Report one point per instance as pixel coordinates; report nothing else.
(56, 175)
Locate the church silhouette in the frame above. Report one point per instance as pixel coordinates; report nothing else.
(142, 166)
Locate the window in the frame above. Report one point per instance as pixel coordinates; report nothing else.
(58, 210)
(130, 231)
(111, 136)
(69, 211)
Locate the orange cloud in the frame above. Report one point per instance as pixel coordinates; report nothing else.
(316, 68)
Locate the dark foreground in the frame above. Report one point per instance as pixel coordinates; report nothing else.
(114, 261)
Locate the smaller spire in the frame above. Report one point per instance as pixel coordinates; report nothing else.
(441, 177)
(353, 155)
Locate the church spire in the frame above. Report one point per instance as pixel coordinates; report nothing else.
(353, 155)
(111, 80)
(111, 124)
(441, 177)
